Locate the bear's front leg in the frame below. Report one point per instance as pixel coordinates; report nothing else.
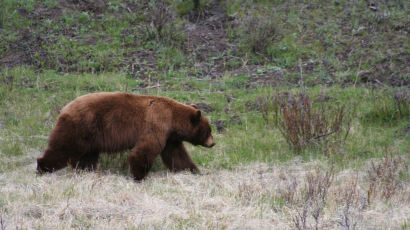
(176, 158)
(143, 155)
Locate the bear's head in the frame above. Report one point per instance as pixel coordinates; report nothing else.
(201, 133)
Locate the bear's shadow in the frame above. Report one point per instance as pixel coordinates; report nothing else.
(118, 164)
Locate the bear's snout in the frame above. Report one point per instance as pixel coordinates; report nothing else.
(40, 166)
(209, 142)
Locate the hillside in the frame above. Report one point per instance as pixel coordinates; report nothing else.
(335, 42)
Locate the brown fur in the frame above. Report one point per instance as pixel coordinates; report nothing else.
(113, 122)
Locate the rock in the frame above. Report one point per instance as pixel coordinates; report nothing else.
(220, 125)
(205, 107)
(235, 120)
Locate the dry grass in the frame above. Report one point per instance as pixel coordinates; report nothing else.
(312, 201)
(384, 176)
(249, 197)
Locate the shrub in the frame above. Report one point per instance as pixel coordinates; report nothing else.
(303, 124)
(313, 199)
(258, 34)
(384, 176)
(354, 205)
(161, 17)
(163, 26)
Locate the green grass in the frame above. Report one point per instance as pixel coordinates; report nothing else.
(79, 51)
(30, 101)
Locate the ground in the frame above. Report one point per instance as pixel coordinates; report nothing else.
(246, 197)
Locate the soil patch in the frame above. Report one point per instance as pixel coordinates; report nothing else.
(390, 70)
(141, 63)
(261, 76)
(96, 6)
(27, 50)
(220, 125)
(207, 41)
(205, 107)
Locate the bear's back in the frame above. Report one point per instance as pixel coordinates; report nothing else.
(88, 101)
(107, 99)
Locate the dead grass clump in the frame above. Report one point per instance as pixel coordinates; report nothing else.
(384, 176)
(303, 123)
(353, 206)
(312, 200)
(247, 192)
(288, 194)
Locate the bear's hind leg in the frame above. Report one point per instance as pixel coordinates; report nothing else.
(176, 158)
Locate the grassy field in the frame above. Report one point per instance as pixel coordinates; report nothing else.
(309, 104)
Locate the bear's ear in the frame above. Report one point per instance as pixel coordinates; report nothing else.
(196, 117)
(195, 106)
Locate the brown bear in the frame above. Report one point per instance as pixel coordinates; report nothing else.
(114, 121)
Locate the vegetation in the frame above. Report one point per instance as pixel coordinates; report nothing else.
(309, 104)
(302, 124)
